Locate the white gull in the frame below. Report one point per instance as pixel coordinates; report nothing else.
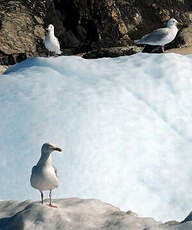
(161, 36)
(44, 174)
(51, 42)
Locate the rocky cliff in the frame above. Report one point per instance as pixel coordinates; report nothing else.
(82, 25)
(21, 30)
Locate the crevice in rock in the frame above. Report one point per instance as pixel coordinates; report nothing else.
(70, 13)
(12, 59)
(90, 27)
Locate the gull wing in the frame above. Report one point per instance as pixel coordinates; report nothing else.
(56, 42)
(154, 36)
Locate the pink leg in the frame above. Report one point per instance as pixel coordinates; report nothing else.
(41, 197)
(50, 204)
(163, 50)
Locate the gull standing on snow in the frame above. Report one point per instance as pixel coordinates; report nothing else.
(51, 42)
(161, 36)
(44, 174)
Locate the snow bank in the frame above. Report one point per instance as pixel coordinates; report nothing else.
(76, 214)
(124, 124)
(73, 214)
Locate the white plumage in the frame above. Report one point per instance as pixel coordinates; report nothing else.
(51, 42)
(44, 174)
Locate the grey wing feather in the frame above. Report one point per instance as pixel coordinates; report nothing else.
(156, 35)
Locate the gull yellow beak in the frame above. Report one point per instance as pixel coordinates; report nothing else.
(180, 23)
(58, 149)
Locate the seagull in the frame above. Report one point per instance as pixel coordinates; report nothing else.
(161, 36)
(51, 42)
(44, 174)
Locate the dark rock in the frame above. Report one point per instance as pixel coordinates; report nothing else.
(11, 59)
(71, 40)
(21, 30)
(67, 52)
(112, 52)
(83, 25)
(152, 49)
(120, 22)
(184, 38)
(188, 218)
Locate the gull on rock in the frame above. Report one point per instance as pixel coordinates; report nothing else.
(51, 42)
(161, 36)
(44, 174)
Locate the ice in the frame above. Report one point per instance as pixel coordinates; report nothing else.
(124, 125)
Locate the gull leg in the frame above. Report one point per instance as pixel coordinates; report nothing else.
(50, 204)
(163, 50)
(41, 197)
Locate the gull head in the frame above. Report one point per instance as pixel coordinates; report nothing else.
(50, 27)
(173, 22)
(48, 148)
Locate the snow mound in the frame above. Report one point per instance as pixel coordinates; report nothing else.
(72, 213)
(124, 125)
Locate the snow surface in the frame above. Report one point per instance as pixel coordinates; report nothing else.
(72, 213)
(76, 214)
(125, 125)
